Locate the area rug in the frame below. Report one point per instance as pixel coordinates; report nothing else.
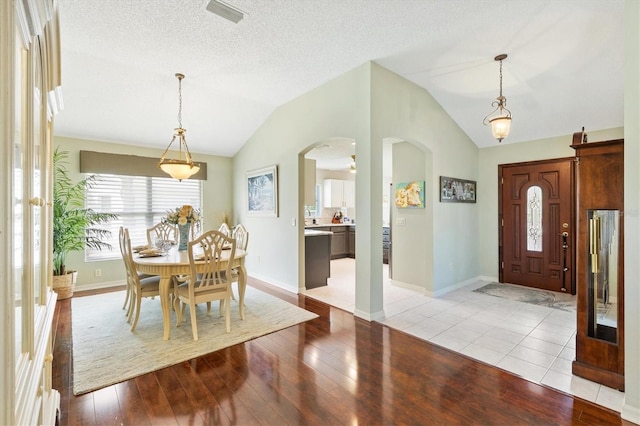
(551, 299)
(106, 352)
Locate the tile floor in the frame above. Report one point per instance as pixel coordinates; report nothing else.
(534, 342)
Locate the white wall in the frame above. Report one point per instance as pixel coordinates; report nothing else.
(410, 163)
(406, 112)
(631, 409)
(216, 199)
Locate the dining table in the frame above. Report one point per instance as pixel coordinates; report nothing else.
(174, 263)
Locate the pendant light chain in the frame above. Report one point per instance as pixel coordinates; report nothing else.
(180, 99)
(500, 78)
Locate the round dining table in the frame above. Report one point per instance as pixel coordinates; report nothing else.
(176, 262)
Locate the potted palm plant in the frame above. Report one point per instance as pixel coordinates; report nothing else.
(74, 226)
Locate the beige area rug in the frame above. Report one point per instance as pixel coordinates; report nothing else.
(105, 352)
(551, 299)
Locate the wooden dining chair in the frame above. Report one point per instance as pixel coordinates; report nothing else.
(241, 236)
(211, 282)
(162, 231)
(127, 297)
(224, 228)
(139, 288)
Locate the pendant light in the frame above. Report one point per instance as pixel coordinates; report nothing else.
(183, 167)
(499, 118)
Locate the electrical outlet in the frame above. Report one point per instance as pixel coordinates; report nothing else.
(401, 221)
(98, 272)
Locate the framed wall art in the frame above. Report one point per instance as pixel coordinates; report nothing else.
(410, 195)
(262, 192)
(454, 190)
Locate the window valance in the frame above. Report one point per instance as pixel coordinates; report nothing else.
(130, 165)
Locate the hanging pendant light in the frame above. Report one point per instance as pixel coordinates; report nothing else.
(183, 167)
(500, 118)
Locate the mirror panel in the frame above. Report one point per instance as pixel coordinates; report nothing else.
(602, 282)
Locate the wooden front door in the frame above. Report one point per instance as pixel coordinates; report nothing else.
(537, 223)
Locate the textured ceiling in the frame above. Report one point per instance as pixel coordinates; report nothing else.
(119, 57)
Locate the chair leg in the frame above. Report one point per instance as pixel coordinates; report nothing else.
(227, 314)
(126, 299)
(176, 308)
(208, 309)
(194, 326)
(233, 297)
(137, 309)
(132, 307)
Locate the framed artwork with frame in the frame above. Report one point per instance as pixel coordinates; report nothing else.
(262, 192)
(454, 190)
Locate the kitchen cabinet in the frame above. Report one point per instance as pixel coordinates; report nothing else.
(317, 265)
(339, 239)
(351, 242)
(339, 193)
(339, 242)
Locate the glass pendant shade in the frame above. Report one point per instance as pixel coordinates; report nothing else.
(183, 167)
(500, 127)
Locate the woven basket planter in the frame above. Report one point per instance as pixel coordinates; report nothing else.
(65, 284)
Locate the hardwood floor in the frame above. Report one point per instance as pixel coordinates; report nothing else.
(336, 369)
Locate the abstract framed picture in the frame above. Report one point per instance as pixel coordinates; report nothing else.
(454, 190)
(262, 192)
(410, 195)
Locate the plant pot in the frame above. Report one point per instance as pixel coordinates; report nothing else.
(65, 284)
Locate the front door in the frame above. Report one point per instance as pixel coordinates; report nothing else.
(536, 232)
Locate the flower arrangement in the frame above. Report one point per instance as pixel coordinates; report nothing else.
(182, 215)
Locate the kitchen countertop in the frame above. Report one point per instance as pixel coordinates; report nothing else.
(315, 233)
(321, 225)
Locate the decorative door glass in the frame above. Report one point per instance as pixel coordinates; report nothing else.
(534, 218)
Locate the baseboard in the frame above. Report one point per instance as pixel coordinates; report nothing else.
(631, 414)
(271, 281)
(99, 286)
(457, 286)
(375, 316)
(408, 286)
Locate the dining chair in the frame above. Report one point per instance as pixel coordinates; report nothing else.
(162, 231)
(127, 297)
(224, 228)
(145, 287)
(241, 236)
(211, 282)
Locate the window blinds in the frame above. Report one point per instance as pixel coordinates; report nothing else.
(141, 202)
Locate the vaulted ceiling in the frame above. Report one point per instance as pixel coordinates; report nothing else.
(119, 57)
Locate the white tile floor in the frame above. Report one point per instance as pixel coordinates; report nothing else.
(534, 342)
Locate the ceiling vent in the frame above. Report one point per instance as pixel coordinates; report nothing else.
(226, 11)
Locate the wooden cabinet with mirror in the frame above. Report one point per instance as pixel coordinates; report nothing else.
(600, 262)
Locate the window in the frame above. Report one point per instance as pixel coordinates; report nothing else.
(141, 202)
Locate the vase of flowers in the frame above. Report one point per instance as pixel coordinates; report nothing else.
(184, 217)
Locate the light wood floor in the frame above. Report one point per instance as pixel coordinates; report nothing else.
(336, 369)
